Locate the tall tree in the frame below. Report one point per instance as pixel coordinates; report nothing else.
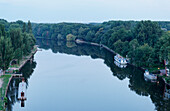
(2, 30)
(133, 45)
(6, 52)
(24, 27)
(29, 27)
(17, 43)
(163, 47)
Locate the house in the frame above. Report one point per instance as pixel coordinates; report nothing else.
(163, 72)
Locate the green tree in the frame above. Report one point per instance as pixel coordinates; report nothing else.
(143, 55)
(2, 30)
(163, 47)
(26, 42)
(147, 32)
(6, 52)
(98, 35)
(133, 45)
(14, 26)
(29, 27)
(70, 37)
(90, 35)
(121, 47)
(24, 27)
(17, 43)
(118, 46)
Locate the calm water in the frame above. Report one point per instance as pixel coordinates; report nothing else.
(66, 77)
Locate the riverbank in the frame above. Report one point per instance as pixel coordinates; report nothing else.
(5, 79)
(3, 90)
(17, 67)
(165, 78)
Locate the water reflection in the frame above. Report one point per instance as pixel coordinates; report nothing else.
(22, 92)
(137, 83)
(120, 65)
(167, 92)
(135, 75)
(14, 89)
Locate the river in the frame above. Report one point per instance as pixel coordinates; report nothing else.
(70, 77)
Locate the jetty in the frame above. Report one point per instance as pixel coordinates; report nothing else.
(95, 44)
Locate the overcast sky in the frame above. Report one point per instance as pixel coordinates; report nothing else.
(84, 11)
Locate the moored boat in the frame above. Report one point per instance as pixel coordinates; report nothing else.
(120, 59)
(149, 75)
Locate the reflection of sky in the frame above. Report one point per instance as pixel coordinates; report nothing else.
(84, 10)
(63, 82)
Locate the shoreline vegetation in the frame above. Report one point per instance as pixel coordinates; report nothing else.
(145, 43)
(7, 77)
(17, 47)
(23, 61)
(166, 79)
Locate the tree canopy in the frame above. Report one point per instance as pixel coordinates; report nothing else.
(15, 42)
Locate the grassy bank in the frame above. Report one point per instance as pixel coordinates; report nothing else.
(6, 80)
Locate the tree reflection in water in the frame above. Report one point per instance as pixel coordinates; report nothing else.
(12, 94)
(135, 75)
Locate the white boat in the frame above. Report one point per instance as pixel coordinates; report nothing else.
(120, 59)
(149, 76)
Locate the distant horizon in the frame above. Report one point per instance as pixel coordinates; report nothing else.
(84, 21)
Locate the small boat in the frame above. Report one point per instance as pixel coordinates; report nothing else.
(149, 76)
(120, 59)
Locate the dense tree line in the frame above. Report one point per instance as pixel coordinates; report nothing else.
(146, 43)
(16, 41)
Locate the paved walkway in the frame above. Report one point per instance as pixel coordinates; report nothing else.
(1, 82)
